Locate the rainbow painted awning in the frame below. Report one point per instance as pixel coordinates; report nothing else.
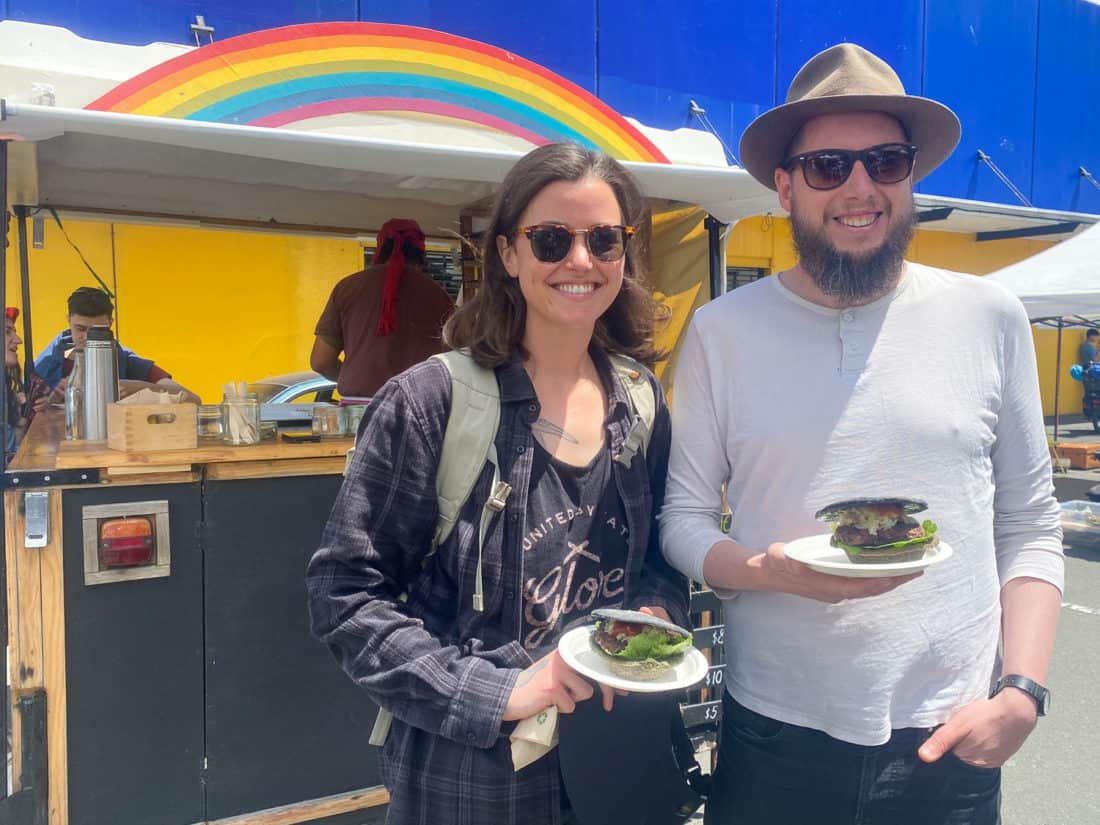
(319, 75)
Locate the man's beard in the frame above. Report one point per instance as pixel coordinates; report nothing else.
(852, 278)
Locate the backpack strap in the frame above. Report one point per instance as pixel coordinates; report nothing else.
(643, 406)
(468, 440)
(467, 444)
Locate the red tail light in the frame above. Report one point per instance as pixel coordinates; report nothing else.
(126, 542)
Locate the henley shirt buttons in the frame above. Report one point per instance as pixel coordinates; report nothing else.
(471, 736)
(852, 346)
(847, 317)
(519, 449)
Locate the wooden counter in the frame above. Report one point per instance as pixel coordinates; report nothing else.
(44, 448)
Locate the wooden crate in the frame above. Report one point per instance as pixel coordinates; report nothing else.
(1081, 456)
(149, 427)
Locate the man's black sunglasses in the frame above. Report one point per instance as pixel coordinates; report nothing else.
(830, 168)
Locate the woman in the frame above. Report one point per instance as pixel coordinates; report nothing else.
(16, 398)
(563, 285)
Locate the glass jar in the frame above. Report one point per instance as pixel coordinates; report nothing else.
(241, 419)
(353, 414)
(211, 422)
(328, 421)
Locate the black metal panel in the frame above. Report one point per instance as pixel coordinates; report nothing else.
(134, 675)
(283, 721)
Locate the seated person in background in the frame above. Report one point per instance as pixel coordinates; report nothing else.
(384, 318)
(1088, 351)
(92, 307)
(13, 374)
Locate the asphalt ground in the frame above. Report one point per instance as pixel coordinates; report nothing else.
(1055, 778)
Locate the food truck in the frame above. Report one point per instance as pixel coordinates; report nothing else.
(168, 675)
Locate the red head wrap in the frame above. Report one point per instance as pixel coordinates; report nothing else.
(11, 313)
(400, 231)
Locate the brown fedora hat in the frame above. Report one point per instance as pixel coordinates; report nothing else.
(848, 78)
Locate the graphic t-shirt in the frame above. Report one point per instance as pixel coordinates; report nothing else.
(574, 550)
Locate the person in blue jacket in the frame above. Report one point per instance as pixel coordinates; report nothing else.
(89, 307)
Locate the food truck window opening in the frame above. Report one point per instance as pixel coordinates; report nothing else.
(126, 542)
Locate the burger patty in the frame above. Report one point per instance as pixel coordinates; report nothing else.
(861, 537)
(614, 638)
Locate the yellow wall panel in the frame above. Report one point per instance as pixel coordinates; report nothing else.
(209, 306)
(55, 271)
(212, 306)
(954, 250)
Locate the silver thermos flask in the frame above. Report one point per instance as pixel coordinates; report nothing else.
(74, 398)
(100, 381)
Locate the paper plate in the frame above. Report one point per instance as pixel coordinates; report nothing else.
(576, 650)
(819, 554)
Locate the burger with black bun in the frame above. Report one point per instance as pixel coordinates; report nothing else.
(880, 530)
(636, 645)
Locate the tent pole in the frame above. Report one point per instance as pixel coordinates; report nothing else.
(21, 213)
(4, 423)
(1057, 378)
(715, 257)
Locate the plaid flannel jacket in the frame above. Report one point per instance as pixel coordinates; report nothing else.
(445, 671)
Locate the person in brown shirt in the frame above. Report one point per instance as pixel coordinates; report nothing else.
(384, 318)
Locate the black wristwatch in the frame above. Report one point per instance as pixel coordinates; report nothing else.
(1029, 686)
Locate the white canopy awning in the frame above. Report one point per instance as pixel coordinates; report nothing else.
(1060, 282)
(211, 172)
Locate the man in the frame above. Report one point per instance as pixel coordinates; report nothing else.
(1087, 352)
(90, 307)
(865, 699)
(384, 318)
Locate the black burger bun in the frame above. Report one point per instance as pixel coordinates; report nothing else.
(612, 634)
(880, 530)
(907, 505)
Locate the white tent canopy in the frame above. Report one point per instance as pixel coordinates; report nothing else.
(1060, 282)
(133, 165)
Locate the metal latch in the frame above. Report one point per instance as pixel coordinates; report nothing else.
(499, 496)
(36, 527)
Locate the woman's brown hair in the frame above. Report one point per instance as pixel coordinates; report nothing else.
(491, 324)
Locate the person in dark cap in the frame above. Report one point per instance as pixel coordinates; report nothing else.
(384, 318)
(879, 699)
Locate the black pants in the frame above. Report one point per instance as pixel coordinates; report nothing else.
(772, 773)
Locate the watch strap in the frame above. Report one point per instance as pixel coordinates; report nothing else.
(1029, 686)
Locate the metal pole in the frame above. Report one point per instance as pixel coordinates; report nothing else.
(4, 292)
(714, 229)
(1057, 378)
(21, 213)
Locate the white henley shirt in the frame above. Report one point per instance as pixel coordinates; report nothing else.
(931, 393)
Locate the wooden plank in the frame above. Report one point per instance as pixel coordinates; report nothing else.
(312, 810)
(74, 454)
(332, 465)
(25, 605)
(53, 656)
(15, 628)
(132, 479)
(133, 471)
